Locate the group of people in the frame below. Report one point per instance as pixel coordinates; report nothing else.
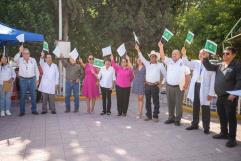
(143, 79)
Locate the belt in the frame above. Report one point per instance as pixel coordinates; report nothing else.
(173, 85)
(73, 81)
(27, 77)
(152, 84)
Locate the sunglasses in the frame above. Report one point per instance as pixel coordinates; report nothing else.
(226, 53)
(91, 58)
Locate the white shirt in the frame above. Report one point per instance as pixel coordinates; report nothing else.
(176, 71)
(153, 71)
(27, 69)
(106, 76)
(6, 73)
(50, 77)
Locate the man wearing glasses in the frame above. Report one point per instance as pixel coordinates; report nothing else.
(29, 78)
(228, 78)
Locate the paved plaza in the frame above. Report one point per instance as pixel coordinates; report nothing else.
(84, 137)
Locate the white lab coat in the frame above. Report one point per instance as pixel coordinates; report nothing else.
(207, 81)
(50, 77)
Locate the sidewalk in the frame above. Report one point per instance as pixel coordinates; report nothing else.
(84, 137)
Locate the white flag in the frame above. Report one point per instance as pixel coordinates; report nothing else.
(136, 38)
(106, 51)
(20, 38)
(121, 50)
(57, 51)
(74, 54)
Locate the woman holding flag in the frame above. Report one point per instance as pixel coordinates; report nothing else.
(90, 87)
(124, 77)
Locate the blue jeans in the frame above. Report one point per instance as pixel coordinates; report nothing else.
(69, 86)
(27, 85)
(5, 99)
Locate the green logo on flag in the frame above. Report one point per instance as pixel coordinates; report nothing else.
(189, 37)
(167, 35)
(211, 47)
(98, 63)
(46, 46)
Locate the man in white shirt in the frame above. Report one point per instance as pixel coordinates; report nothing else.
(154, 69)
(49, 82)
(29, 78)
(106, 76)
(201, 90)
(178, 76)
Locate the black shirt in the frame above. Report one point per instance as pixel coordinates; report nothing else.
(227, 78)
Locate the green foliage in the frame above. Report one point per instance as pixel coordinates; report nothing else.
(94, 24)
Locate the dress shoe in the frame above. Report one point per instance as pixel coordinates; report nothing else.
(220, 136)
(35, 113)
(155, 120)
(231, 143)
(102, 113)
(43, 112)
(53, 112)
(177, 123)
(67, 110)
(169, 121)
(192, 127)
(206, 132)
(21, 114)
(76, 110)
(147, 118)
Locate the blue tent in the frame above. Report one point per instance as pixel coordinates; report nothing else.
(8, 35)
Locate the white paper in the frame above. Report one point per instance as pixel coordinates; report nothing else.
(106, 51)
(57, 51)
(74, 54)
(136, 38)
(20, 38)
(235, 93)
(121, 50)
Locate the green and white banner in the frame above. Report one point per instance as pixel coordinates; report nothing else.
(46, 46)
(98, 63)
(211, 47)
(167, 35)
(189, 38)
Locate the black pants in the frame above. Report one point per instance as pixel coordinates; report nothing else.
(227, 115)
(152, 91)
(122, 95)
(106, 95)
(196, 110)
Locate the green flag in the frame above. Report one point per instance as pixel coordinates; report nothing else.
(211, 47)
(46, 46)
(189, 37)
(167, 35)
(98, 63)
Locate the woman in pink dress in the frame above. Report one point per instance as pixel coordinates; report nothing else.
(90, 88)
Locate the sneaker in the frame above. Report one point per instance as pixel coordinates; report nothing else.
(231, 143)
(8, 113)
(124, 115)
(43, 112)
(119, 114)
(177, 123)
(220, 136)
(35, 113)
(147, 118)
(109, 113)
(155, 120)
(139, 116)
(2, 113)
(169, 121)
(192, 127)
